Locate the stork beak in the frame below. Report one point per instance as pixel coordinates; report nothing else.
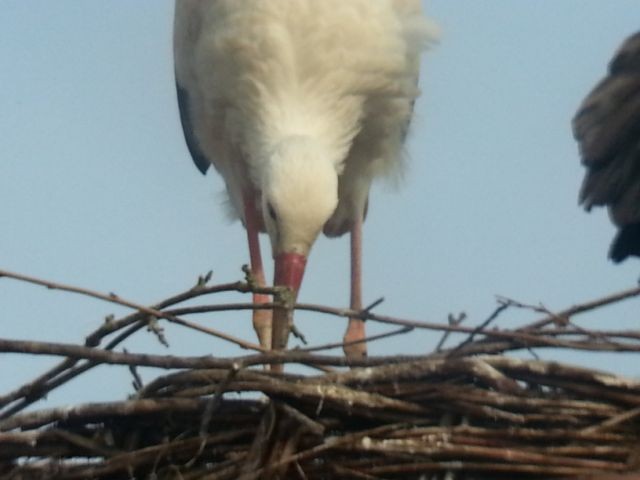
(289, 271)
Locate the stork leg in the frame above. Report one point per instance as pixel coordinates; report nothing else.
(261, 318)
(355, 330)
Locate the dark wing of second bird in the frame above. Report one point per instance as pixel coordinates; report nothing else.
(607, 127)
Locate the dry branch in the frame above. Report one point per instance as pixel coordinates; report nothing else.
(464, 412)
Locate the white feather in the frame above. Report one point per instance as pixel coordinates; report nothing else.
(329, 82)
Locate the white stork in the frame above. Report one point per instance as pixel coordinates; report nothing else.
(607, 127)
(299, 105)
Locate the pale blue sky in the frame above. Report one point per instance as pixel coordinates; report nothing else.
(97, 188)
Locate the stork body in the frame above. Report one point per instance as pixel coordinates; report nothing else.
(607, 127)
(299, 105)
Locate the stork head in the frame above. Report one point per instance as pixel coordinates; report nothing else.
(299, 194)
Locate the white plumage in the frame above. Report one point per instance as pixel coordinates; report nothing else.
(299, 105)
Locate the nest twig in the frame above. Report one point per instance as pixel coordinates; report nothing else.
(463, 412)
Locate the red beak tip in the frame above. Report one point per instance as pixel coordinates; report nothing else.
(289, 270)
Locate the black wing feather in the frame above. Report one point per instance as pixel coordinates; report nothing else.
(197, 155)
(607, 127)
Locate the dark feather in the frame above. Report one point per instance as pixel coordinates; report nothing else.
(607, 127)
(189, 135)
(627, 58)
(626, 243)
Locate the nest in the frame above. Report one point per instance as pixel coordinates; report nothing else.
(471, 411)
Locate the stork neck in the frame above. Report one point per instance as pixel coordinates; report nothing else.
(306, 149)
(313, 121)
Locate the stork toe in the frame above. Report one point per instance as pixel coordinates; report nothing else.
(262, 325)
(355, 332)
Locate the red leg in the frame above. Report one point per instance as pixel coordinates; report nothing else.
(261, 318)
(355, 330)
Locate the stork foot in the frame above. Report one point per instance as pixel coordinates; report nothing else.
(262, 324)
(355, 332)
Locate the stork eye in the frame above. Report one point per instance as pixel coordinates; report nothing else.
(272, 212)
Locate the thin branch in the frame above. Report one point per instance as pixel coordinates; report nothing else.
(153, 312)
(169, 361)
(483, 326)
(380, 336)
(452, 321)
(584, 307)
